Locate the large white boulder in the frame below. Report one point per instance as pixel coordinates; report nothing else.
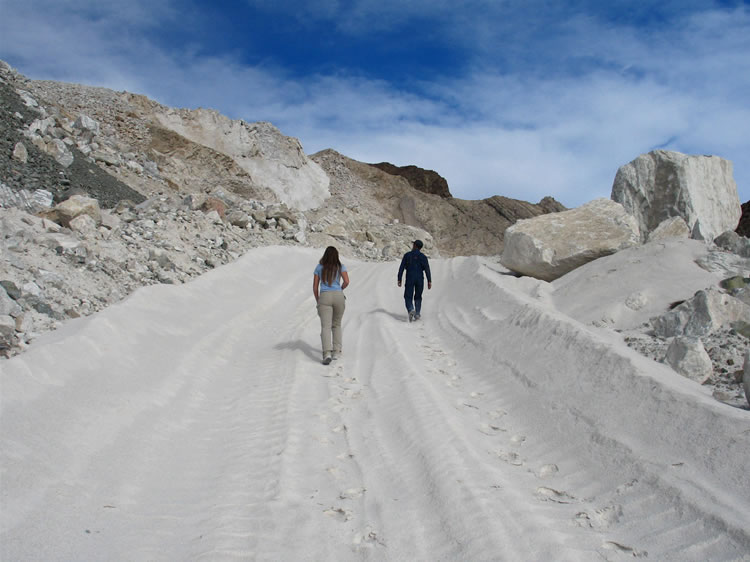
(549, 246)
(274, 161)
(664, 184)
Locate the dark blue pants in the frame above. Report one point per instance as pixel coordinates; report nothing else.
(413, 291)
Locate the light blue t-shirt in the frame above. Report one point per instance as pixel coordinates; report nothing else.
(336, 286)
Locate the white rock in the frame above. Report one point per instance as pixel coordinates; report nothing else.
(135, 166)
(40, 126)
(273, 160)
(7, 330)
(60, 152)
(214, 217)
(83, 224)
(28, 100)
(664, 184)
(549, 246)
(41, 199)
(674, 227)
(687, 356)
(708, 311)
(235, 217)
(8, 307)
(20, 153)
(32, 289)
(86, 123)
(110, 221)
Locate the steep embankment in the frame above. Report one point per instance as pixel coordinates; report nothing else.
(196, 422)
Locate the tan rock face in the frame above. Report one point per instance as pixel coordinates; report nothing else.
(457, 226)
(664, 184)
(549, 246)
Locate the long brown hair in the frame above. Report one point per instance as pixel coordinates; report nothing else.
(331, 265)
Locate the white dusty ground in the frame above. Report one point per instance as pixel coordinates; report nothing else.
(196, 422)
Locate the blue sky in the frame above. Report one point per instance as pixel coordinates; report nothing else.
(522, 99)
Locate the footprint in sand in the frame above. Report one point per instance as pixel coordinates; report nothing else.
(353, 394)
(517, 440)
(338, 514)
(550, 495)
(547, 470)
(368, 539)
(490, 429)
(463, 403)
(454, 381)
(624, 549)
(510, 457)
(352, 493)
(600, 518)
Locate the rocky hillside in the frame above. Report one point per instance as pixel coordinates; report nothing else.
(454, 226)
(102, 192)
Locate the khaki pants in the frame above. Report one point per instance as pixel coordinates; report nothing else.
(331, 305)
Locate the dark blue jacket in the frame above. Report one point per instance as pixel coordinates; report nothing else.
(414, 263)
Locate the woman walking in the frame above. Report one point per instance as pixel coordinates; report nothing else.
(328, 289)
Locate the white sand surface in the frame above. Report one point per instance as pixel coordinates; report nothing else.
(196, 422)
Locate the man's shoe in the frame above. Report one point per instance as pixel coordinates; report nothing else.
(417, 316)
(411, 316)
(335, 355)
(327, 359)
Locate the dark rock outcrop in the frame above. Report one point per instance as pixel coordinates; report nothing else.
(427, 181)
(743, 228)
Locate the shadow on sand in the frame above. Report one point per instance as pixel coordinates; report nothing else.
(399, 317)
(299, 345)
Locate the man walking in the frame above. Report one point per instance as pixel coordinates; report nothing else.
(415, 264)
